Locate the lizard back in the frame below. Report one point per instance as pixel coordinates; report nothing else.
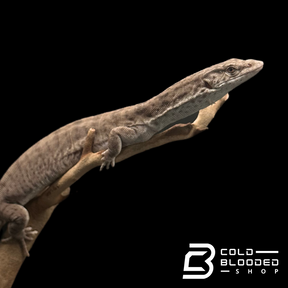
(52, 156)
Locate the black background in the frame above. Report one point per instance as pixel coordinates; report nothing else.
(133, 224)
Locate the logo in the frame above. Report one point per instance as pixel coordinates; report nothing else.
(197, 253)
(248, 261)
(238, 261)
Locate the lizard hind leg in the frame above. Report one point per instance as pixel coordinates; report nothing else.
(17, 217)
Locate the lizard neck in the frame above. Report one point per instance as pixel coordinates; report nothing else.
(181, 100)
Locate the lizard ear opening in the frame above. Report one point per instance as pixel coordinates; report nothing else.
(207, 83)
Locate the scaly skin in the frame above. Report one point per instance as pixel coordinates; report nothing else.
(55, 154)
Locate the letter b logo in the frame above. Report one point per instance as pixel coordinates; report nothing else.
(197, 253)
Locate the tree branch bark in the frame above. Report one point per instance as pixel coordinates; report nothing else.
(41, 208)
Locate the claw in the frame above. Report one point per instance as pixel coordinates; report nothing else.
(106, 161)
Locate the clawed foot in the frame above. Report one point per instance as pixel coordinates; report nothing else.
(26, 234)
(107, 160)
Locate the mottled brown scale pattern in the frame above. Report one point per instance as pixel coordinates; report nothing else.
(52, 156)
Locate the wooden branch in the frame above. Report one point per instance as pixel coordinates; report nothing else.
(41, 208)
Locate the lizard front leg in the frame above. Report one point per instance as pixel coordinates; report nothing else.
(120, 137)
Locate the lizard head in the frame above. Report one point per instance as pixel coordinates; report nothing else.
(227, 75)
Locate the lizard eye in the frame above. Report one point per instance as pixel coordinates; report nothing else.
(231, 70)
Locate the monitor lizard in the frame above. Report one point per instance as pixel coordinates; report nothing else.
(52, 156)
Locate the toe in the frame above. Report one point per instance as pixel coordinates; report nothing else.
(24, 247)
(6, 239)
(31, 234)
(28, 229)
(28, 238)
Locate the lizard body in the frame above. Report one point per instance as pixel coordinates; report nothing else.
(55, 154)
